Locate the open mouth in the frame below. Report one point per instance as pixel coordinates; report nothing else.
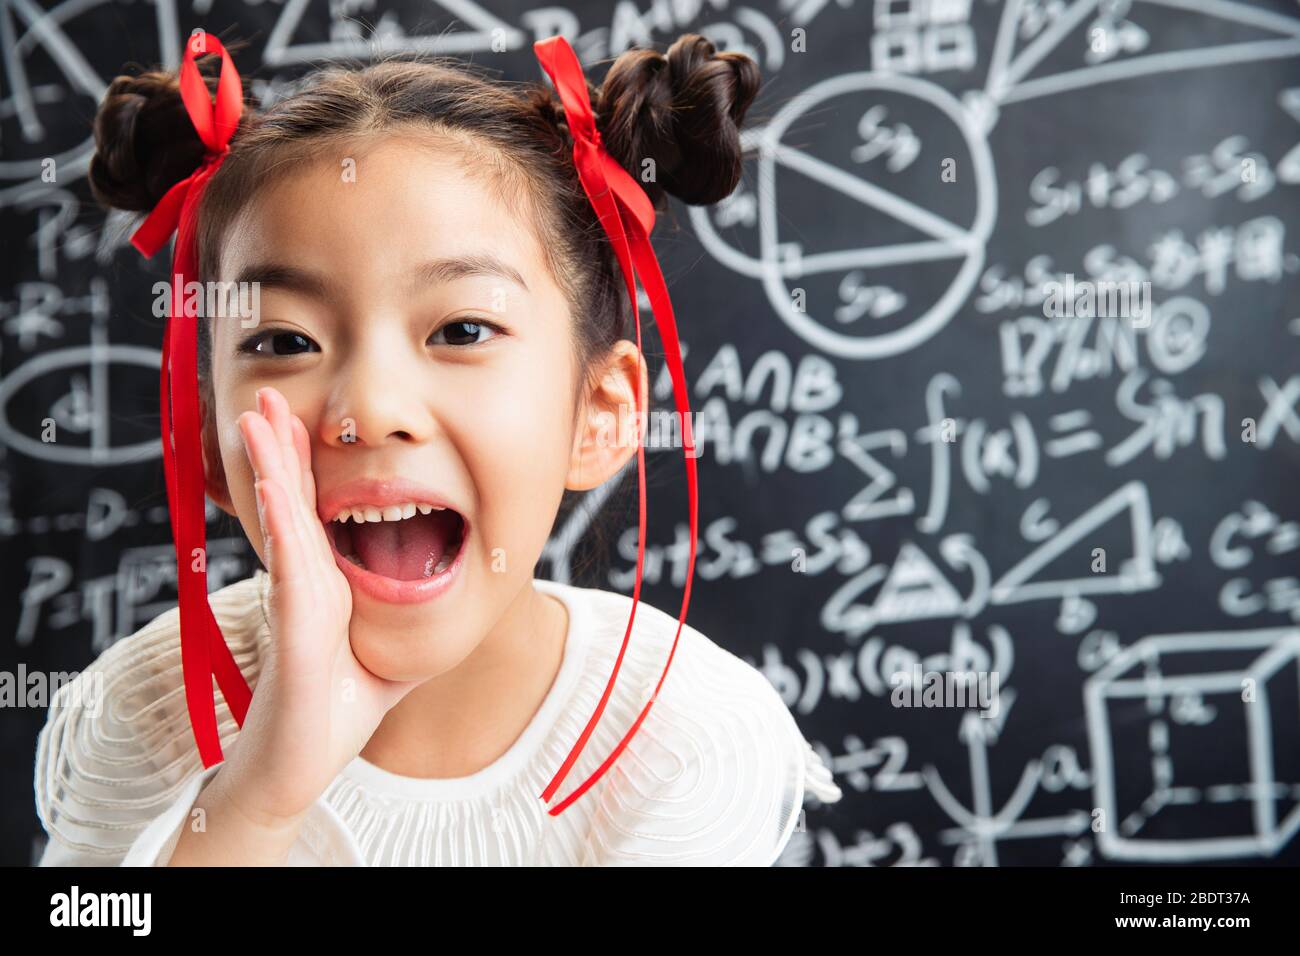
(410, 542)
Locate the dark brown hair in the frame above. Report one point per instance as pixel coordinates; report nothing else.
(681, 109)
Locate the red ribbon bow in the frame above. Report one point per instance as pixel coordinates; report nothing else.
(201, 640)
(628, 217)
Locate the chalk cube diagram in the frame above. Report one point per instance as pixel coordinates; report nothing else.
(1176, 721)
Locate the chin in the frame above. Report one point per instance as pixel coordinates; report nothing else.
(409, 653)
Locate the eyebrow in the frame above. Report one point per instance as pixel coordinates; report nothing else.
(269, 275)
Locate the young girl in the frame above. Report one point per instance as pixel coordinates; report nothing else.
(438, 354)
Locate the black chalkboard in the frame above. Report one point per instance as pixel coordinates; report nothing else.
(919, 459)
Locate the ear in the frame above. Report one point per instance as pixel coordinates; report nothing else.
(605, 435)
(214, 473)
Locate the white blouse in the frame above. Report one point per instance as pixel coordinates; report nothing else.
(716, 775)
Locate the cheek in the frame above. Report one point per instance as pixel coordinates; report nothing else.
(234, 396)
(239, 480)
(517, 443)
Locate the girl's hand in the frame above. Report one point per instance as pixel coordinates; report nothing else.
(315, 706)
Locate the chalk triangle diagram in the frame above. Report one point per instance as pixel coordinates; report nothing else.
(904, 231)
(483, 28)
(1055, 59)
(1126, 574)
(915, 590)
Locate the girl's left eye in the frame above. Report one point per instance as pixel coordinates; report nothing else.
(463, 332)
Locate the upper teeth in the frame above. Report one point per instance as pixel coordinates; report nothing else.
(363, 513)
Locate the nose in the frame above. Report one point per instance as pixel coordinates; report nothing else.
(375, 401)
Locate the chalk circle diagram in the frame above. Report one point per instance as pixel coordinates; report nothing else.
(82, 408)
(1011, 79)
(962, 247)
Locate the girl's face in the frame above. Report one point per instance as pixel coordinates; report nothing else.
(404, 306)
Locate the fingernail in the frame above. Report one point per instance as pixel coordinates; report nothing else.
(261, 402)
(261, 497)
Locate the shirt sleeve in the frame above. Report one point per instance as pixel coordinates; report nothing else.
(153, 847)
(117, 774)
(717, 776)
(323, 839)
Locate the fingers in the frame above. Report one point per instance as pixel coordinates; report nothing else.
(296, 545)
(302, 448)
(291, 559)
(288, 463)
(295, 447)
(267, 457)
(264, 452)
(275, 408)
(263, 456)
(302, 442)
(298, 448)
(280, 541)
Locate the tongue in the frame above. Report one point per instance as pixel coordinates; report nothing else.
(407, 550)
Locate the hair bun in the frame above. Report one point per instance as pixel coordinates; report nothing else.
(683, 110)
(145, 142)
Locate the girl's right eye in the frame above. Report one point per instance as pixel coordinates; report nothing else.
(282, 343)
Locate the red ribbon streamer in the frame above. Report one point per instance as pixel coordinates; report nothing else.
(203, 649)
(628, 217)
